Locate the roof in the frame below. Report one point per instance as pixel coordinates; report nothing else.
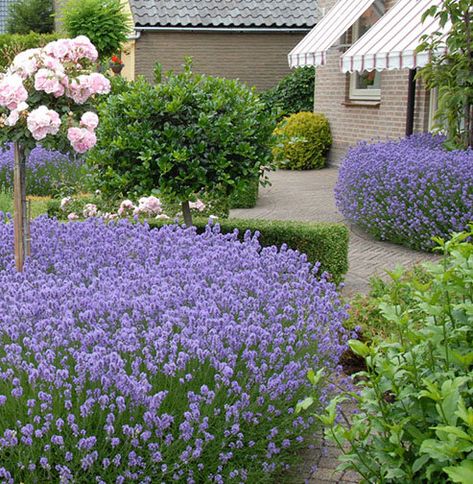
(225, 13)
(4, 4)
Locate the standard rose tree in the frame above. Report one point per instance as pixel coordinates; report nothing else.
(45, 98)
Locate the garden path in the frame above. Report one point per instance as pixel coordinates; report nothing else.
(308, 196)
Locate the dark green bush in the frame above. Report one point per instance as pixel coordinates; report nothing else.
(186, 135)
(303, 141)
(245, 196)
(13, 44)
(104, 22)
(292, 94)
(414, 418)
(25, 16)
(326, 243)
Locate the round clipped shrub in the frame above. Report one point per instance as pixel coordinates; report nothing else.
(304, 140)
(129, 354)
(407, 191)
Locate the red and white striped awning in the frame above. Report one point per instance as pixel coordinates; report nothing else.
(312, 49)
(392, 42)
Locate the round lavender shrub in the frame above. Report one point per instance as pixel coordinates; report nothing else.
(46, 171)
(129, 354)
(407, 191)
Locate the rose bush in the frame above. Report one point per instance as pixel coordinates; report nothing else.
(407, 191)
(130, 354)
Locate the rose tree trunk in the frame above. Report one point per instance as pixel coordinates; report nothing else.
(20, 209)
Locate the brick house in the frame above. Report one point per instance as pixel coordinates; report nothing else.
(365, 83)
(244, 39)
(4, 6)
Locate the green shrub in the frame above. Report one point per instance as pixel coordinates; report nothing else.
(303, 141)
(414, 419)
(25, 16)
(183, 136)
(246, 196)
(104, 22)
(13, 44)
(294, 93)
(326, 243)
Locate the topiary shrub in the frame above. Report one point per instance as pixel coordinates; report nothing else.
(293, 94)
(183, 136)
(407, 191)
(304, 140)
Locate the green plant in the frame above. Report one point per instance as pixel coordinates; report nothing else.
(293, 93)
(25, 16)
(323, 243)
(104, 22)
(414, 419)
(13, 44)
(183, 136)
(451, 69)
(304, 140)
(246, 196)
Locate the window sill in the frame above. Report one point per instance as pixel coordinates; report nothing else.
(362, 104)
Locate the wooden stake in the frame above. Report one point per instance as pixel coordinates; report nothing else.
(186, 211)
(21, 216)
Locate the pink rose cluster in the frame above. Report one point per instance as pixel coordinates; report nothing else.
(58, 70)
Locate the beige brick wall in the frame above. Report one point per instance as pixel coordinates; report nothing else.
(353, 123)
(259, 59)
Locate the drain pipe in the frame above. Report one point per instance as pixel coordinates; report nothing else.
(411, 102)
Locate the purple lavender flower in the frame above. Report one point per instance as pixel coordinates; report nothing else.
(407, 191)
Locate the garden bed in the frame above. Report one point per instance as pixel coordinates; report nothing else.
(131, 354)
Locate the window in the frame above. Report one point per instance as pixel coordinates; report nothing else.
(366, 86)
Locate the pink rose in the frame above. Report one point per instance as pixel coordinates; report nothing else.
(59, 49)
(98, 83)
(89, 120)
(79, 89)
(25, 63)
(72, 216)
(14, 116)
(199, 205)
(12, 91)
(49, 82)
(43, 121)
(81, 139)
(82, 48)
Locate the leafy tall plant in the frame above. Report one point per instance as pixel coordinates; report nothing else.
(25, 16)
(185, 135)
(451, 69)
(104, 22)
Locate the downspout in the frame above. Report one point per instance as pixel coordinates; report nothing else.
(411, 102)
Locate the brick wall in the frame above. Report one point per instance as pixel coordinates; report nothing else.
(259, 59)
(353, 123)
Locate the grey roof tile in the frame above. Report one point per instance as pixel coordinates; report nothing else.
(225, 13)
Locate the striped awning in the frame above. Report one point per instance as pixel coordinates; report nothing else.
(312, 49)
(392, 42)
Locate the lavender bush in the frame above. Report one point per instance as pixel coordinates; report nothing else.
(407, 191)
(47, 172)
(130, 354)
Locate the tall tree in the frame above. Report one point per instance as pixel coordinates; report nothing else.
(26, 16)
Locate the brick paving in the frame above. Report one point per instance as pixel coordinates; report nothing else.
(308, 196)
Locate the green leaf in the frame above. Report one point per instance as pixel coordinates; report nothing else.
(359, 348)
(462, 473)
(304, 405)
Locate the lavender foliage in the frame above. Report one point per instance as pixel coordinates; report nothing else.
(407, 191)
(130, 354)
(47, 172)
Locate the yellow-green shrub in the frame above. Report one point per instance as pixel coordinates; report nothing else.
(303, 141)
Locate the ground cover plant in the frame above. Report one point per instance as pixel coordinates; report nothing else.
(48, 172)
(407, 191)
(414, 419)
(130, 354)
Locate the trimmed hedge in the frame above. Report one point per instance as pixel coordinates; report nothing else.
(326, 243)
(13, 44)
(245, 197)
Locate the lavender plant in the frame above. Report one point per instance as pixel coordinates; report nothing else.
(48, 172)
(407, 191)
(130, 354)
